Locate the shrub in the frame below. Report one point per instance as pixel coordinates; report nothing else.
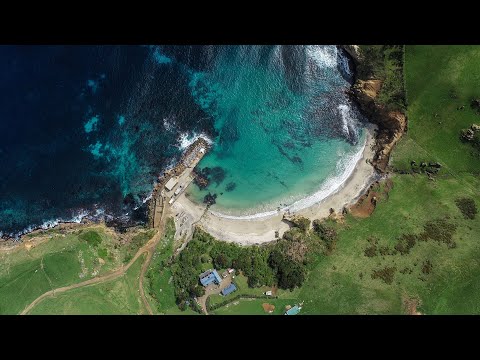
(92, 238)
(386, 274)
(468, 207)
(302, 223)
(406, 243)
(439, 230)
(427, 267)
(371, 251)
(326, 233)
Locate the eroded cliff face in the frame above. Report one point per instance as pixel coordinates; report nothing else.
(391, 124)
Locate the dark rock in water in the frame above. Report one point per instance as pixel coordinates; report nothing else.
(207, 175)
(209, 199)
(129, 200)
(296, 160)
(289, 145)
(230, 186)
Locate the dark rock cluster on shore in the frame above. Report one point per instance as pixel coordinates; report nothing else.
(209, 199)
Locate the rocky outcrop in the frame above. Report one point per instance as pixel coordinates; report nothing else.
(391, 124)
(354, 52)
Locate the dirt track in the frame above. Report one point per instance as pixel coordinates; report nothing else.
(148, 248)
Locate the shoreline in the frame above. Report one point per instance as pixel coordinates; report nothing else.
(248, 231)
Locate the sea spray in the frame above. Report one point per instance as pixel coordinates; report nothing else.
(186, 139)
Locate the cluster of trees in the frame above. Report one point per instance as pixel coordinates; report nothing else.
(281, 263)
(289, 273)
(385, 62)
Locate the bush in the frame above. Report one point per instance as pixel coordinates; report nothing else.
(406, 243)
(468, 207)
(439, 230)
(386, 274)
(371, 251)
(92, 238)
(302, 223)
(427, 267)
(326, 233)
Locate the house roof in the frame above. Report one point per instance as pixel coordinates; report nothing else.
(210, 276)
(229, 289)
(170, 184)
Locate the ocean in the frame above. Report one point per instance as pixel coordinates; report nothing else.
(86, 130)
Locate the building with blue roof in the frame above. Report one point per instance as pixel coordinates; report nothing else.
(229, 289)
(210, 276)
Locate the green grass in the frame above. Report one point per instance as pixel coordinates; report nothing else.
(91, 237)
(158, 283)
(243, 289)
(253, 307)
(58, 261)
(130, 249)
(119, 296)
(440, 87)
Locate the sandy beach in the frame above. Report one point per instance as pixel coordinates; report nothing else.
(261, 230)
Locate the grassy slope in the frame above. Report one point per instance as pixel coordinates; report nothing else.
(119, 296)
(158, 284)
(26, 274)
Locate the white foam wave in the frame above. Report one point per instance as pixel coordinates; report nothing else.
(324, 56)
(148, 197)
(345, 66)
(50, 224)
(186, 139)
(329, 187)
(348, 120)
(169, 124)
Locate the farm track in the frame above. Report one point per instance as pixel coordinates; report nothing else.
(148, 248)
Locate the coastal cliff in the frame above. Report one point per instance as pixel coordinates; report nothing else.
(380, 93)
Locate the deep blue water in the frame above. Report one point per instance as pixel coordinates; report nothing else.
(87, 129)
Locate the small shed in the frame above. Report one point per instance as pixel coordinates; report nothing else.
(170, 184)
(229, 289)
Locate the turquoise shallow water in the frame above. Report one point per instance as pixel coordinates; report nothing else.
(286, 128)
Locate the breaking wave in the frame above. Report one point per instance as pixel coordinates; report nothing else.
(328, 188)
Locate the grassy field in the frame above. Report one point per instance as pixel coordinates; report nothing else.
(118, 296)
(52, 261)
(253, 307)
(243, 289)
